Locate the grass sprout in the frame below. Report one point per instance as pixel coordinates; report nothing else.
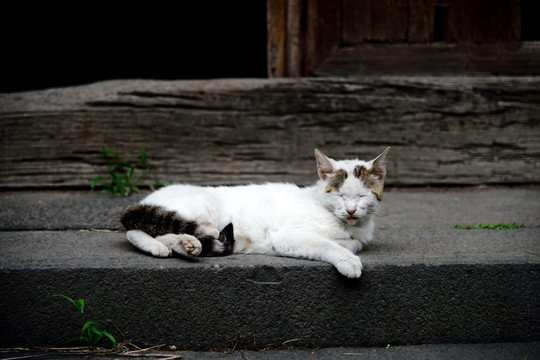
(500, 226)
(90, 332)
(122, 175)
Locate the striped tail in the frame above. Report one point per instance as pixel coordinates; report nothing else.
(156, 220)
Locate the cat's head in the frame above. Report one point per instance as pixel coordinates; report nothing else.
(351, 189)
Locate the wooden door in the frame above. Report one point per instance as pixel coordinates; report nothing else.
(359, 37)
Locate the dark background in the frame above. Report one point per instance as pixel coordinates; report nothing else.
(46, 46)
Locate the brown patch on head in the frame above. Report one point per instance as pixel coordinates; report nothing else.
(336, 182)
(359, 171)
(371, 179)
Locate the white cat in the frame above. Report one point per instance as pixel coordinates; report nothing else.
(329, 221)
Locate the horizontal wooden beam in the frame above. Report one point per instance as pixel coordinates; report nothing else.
(434, 59)
(442, 130)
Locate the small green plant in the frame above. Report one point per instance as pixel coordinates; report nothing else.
(122, 181)
(500, 226)
(90, 332)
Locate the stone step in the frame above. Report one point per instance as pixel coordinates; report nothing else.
(423, 280)
(489, 351)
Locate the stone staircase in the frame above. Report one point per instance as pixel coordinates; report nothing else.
(423, 281)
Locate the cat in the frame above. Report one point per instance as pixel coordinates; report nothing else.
(329, 221)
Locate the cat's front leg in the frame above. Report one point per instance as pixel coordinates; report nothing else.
(351, 267)
(316, 247)
(353, 245)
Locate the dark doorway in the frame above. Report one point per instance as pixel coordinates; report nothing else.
(46, 46)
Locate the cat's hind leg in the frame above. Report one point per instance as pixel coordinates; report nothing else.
(148, 244)
(203, 245)
(182, 244)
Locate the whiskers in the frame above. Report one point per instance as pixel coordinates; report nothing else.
(373, 210)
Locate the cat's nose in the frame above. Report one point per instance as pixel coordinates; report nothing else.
(351, 211)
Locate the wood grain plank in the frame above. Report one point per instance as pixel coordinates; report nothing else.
(442, 130)
(276, 15)
(323, 32)
(433, 59)
(421, 21)
(295, 36)
(500, 21)
(356, 22)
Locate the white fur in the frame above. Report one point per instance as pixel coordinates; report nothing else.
(277, 218)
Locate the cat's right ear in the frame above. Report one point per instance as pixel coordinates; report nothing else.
(324, 165)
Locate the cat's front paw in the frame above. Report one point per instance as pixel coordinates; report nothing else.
(351, 267)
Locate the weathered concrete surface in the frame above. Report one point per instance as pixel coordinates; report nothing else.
(423, 281)
(494, 351)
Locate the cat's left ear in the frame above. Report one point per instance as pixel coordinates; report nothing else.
(378, 168)
(325, 166)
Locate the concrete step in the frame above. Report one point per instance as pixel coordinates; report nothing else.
(423, 280)
(491, 351)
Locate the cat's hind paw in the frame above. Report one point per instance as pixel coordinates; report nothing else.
(351, 267)
(182, 244)
(191, 245)
(161, 251)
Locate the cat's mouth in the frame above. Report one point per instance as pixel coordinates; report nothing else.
(351, 220)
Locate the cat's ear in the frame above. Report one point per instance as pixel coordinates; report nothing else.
(325, 166)
(378, 168)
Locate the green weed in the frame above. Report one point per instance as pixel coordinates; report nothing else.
(123, 181)
(500, 226)
(90, 332)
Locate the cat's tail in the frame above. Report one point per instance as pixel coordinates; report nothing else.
(155, 221)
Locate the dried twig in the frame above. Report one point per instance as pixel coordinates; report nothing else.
(100, 230)
(145, 349)
(83, 350)
(24, 357)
